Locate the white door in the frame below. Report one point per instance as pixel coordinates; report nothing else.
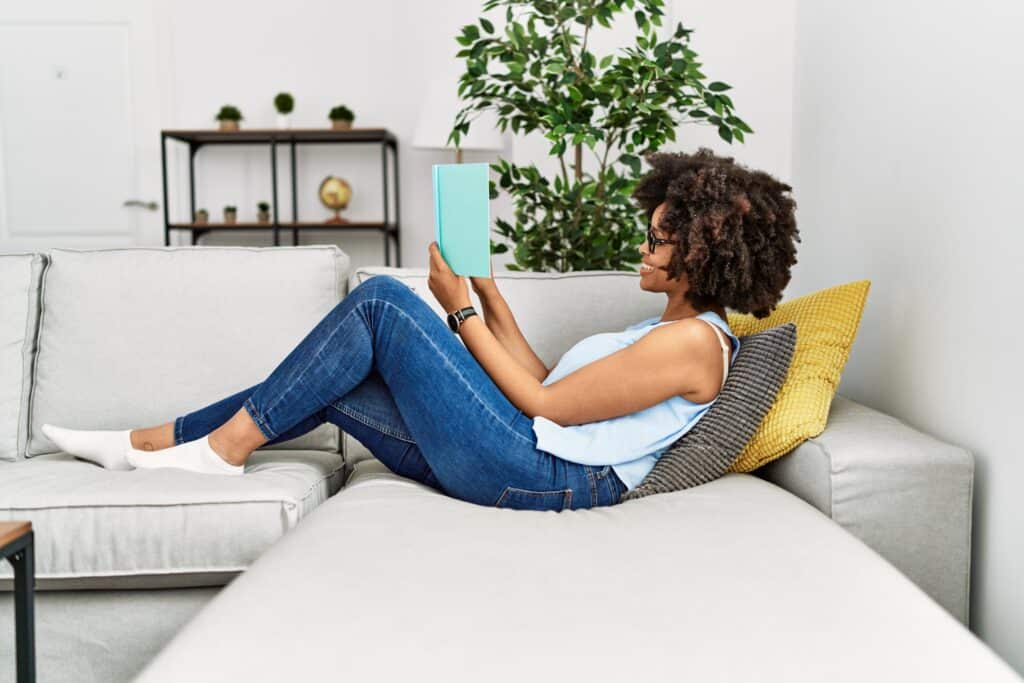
(79, 125)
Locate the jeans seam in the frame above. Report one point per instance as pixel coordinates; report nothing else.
(373, 424)
(315, 355)
(258, 419)
(593, 486)
(179, 429)
(457, 373)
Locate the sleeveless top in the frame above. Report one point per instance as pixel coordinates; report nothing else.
(630, 443)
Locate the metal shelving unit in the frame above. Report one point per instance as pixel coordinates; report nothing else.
(272, 138)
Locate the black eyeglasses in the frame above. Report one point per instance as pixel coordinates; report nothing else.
(653, 241)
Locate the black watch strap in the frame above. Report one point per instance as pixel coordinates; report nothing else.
(460, 316)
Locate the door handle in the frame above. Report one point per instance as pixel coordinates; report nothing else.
(150, 206)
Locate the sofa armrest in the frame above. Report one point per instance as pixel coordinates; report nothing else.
(905, 494)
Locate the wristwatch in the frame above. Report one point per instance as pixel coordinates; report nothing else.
(456, 318)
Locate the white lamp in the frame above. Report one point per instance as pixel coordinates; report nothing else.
(437, 118)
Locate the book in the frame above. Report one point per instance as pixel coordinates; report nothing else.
(462, 217)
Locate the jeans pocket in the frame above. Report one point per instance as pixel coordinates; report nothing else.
(525, 499)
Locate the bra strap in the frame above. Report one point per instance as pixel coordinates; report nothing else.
(726, 348)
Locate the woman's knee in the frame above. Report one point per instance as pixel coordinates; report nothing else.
(383, 287)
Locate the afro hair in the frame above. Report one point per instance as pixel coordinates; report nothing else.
(736, 228)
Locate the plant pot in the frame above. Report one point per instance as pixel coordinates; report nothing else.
(263, 217)
(230, 217)
(284, 121)
(201, 218)
(228, 125)
(341, 124)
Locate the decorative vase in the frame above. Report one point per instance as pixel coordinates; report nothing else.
(284, 121)
(263, 216)
(228, 125)
(202, 217)
(341, 124)
(230, 217)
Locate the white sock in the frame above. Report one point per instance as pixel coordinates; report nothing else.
(195, 455)
(107, 448)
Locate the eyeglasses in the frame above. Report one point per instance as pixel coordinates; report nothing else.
(653, 241)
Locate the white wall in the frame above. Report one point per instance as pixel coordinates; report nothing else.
(907, 171)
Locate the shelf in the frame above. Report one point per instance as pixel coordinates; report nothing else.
(268, 135)
(355, 225)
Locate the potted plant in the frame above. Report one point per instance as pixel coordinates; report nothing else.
(284, 103)
(229, 116)
(263, 213)
(620, 106)
(202, 217)
(341, 117)
(230, 214)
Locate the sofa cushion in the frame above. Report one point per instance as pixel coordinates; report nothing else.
(826, 322)
(736, 580)
(19, 300)
(158, 528)
(136, 337)
(708, 450)
(552, 318)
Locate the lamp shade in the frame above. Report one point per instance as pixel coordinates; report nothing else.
(437, 118)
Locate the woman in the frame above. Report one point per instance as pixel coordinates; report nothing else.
(486, 421)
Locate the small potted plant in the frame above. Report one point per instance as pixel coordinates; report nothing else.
(341, 117)
(230, 214)
(202, 217)
(263, 215)
(284, 103)
(229, 116)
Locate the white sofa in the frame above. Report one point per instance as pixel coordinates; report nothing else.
(847, 559)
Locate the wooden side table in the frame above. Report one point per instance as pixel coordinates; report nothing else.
(16, 547)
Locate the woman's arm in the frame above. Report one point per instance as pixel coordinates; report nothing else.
(499, 319)
(521, 388)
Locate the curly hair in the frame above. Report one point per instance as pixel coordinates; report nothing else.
(736, 228)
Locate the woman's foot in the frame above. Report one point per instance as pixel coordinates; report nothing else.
(107, 448)
(197, 456)
(222, 451)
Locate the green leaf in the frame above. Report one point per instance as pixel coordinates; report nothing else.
(488, 26)
(606, 61)
(725, 134)
(718, 86)
(471, 32)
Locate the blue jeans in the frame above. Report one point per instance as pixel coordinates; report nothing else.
(385, 368)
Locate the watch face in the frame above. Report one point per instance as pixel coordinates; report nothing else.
(453, 323)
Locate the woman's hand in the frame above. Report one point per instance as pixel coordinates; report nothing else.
(484, 285)
(448, 288)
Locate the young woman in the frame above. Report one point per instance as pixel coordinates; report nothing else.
(487, 421)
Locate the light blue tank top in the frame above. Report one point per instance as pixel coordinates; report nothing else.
(630, 443)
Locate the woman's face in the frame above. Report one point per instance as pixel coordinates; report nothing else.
(657, 280)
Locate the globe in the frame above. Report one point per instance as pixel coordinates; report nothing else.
(335, 194)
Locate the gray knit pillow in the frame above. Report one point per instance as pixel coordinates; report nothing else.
(709, 449)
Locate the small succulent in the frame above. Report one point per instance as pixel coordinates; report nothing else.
(231, 209)
(341, 113)
(284, 103)
(229, 113)
(263, 206)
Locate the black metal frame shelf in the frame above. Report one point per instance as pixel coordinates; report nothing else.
(195, 139)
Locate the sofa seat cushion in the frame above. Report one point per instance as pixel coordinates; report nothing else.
(97, 528)
(734, 580)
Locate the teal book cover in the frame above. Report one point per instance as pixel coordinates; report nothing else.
(462, 217)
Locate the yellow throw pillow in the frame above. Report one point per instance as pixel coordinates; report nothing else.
(826, 324)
